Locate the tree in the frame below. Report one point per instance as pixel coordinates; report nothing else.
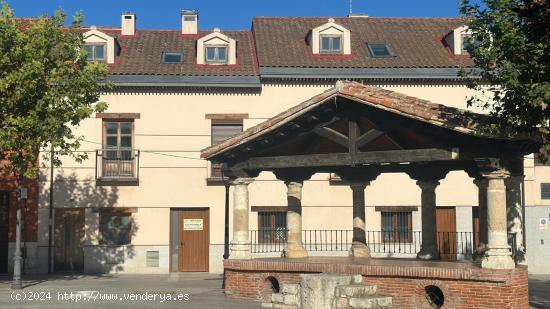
(46, 89)
(510, 43)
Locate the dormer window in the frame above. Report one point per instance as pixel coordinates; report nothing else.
(95, 52)
(330, 38)
(459, 40)
(466, 41)
(331, 44)
(379, 50)
(172, 57)
(216, 48)
(215, 54)
(99, 46)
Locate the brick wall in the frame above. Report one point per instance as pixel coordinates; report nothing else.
(463, 285)
(30, 209)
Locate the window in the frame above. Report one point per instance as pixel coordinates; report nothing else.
(95, 52)
(271, 226)
(222, 130)
(189, 18)
(545, 191)
(115, 227)
(216, 54)
(118, 153)
(397, 226)
(379, 50)
(466, 40)
(172, 57)
(331, 44)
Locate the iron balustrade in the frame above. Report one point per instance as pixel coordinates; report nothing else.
(450, 245)
(117, 164)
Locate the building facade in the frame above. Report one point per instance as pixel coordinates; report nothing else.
(145, 202)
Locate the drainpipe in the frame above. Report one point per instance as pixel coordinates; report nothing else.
(50, 215)
(226, 224)
(523, 215)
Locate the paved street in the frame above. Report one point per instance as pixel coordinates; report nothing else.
(539, 291)
(203, 291)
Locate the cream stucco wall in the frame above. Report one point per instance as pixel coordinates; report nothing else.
(172, 130)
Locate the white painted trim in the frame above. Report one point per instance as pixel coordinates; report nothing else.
(330, 28)
(217, 38)
(96, 36)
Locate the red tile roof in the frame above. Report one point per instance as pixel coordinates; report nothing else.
(415, 42)
(141, 54)
(436, 114)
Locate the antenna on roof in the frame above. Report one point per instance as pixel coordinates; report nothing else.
(350, 7)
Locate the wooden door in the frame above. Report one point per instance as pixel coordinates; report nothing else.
(69, 238)
(446, 232)
(194, 236)
(4, 229)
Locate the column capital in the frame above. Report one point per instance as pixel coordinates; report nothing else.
(495, 174)
(359, 185)
(481, 183)
(359, 174)
(294, 188)
(294, 175)
(427, 172)
(241, 181)
(428, 185)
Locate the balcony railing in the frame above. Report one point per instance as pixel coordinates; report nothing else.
(451, 245)
(117, 164)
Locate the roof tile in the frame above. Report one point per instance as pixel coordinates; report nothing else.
(416, 42)
(141, 54)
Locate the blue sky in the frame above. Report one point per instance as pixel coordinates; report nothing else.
(228, 14)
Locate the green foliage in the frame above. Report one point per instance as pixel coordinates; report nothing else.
(510, 44)
(46, 88)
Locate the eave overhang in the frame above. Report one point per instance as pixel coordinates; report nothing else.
(185, 81)
(365, 73)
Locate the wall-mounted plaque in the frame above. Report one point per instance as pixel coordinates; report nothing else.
(193, 224)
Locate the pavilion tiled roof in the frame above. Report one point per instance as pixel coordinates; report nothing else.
(141, 54)
(436, 114)
(415, 42)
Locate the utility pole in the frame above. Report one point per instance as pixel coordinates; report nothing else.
(50, 215)
(16, 284)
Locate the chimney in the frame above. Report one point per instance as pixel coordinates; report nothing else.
(189, 21)
(128, 24)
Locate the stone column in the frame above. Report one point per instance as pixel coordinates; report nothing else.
(428, 250)
(482, 184)
(359, 247)
(240, 245)
(497, 255)
(515, 215)
(295, 247)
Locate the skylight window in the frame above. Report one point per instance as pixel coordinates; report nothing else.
(331, 44)
(379, 50)
(172, 57)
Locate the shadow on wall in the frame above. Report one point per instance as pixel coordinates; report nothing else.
(91, 234)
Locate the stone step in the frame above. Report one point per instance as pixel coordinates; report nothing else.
(278, 306)
(356, 290)
(277, 298)
(371, 302)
